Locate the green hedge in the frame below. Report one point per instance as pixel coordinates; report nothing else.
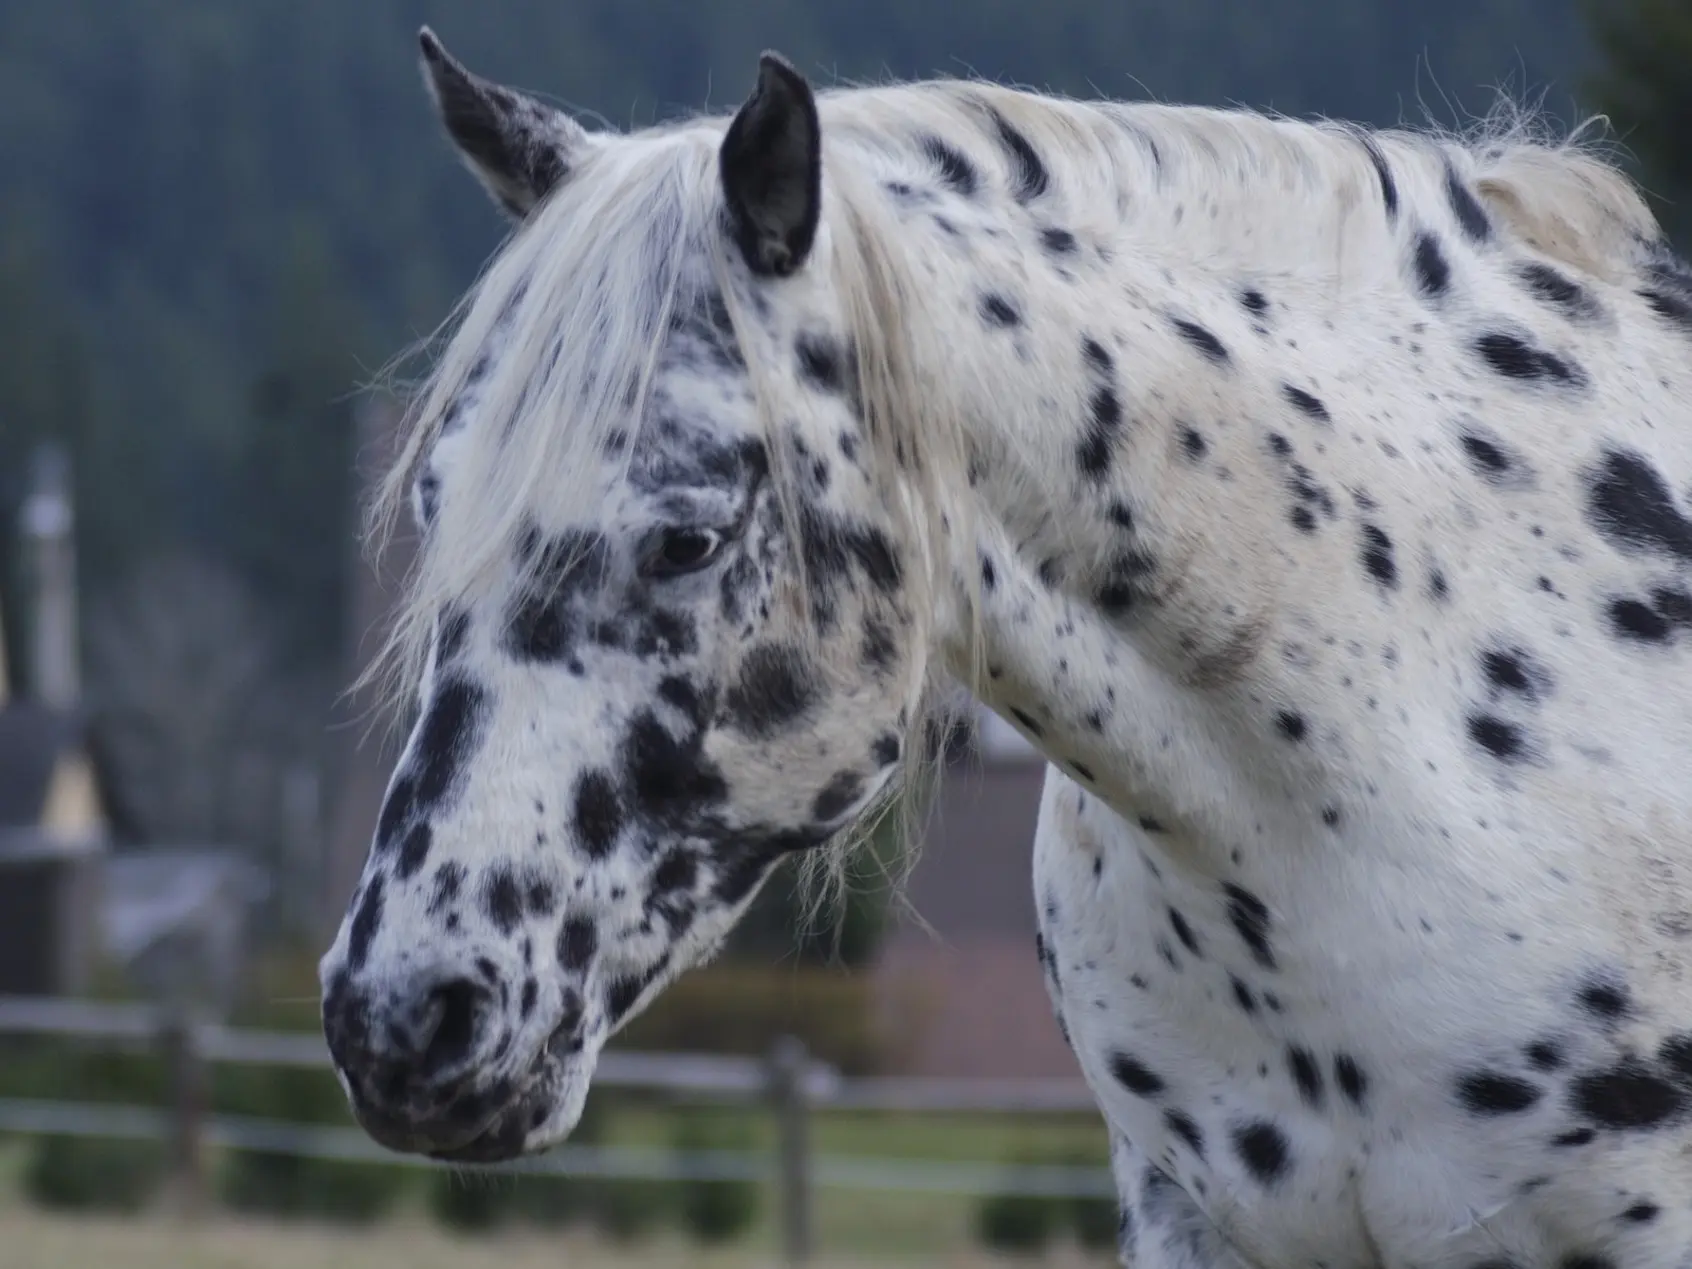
(1025, 1224)
(284, 1185)
(85, 1174)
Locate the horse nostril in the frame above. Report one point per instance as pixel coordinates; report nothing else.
(452, 1011)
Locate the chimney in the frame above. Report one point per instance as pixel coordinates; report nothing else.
(47, 526)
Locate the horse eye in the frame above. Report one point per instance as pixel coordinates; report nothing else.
(683, 550)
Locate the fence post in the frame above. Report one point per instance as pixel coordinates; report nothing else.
(789, 1067)
(187, 1083)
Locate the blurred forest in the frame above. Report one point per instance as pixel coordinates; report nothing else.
(220, 219)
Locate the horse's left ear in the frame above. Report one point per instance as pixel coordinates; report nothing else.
(517, 146)
(771, 168)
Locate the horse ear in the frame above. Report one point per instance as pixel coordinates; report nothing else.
(517, 146)
(771, 169)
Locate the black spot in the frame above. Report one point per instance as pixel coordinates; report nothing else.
(776, 687)
(1495, 1093)
(989, 575)
(676, 874)
(1633, 619)
(444, 739)
(542, 898)
(397, 809)
(1433, 274)
(1305, 401)
(1575, 1137)
(1545, 1055)
(1377, 556)
(1186, 1128)
(1351, 1080)
(1605, 998)
(1242, 995)
(1184, 932)
(1676, 308)
(1250, 919)
(1490, 460)
(1201, 338)
(879, 649)
(578, 940)
(1514, 670)
(449, 881)
(1150, 825)
(1134, 1075)
(885, 750)
(622, 994)
(1290, 725)
(542, 624)
(1097, 356)
(956, 171)
(502, 900)
(1629, 503)
(531, 992)
(1515, 358)
(1642, 1212)
(1675, 1052)
(1029, 178)
(1331, 816)
(820, 362)
(1104, 419)
(414, 851)
(1307, 1076)
(1627, 1095)
(1438, 587)
(1466, 207)
(1254, 301)
(1060, 242)
(668, 779)
(1192, 442)
(1503, 740)
(367, 920)
(837, 796)
(1122, 584)
(996, 310)
(598, 813)
(1556, 289)
(1264, 1150)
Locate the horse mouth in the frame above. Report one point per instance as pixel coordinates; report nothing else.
(495, 1123)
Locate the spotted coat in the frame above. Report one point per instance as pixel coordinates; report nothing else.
(1315, 500)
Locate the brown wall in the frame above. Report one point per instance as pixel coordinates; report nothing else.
(970, 994)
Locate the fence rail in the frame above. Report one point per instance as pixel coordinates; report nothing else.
(789, 1082)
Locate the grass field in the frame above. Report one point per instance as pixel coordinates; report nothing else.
(852, 1227)
(31, 1240)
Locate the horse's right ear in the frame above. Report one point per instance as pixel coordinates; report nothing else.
(517, 146)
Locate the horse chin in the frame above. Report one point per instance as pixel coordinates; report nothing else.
(543, 1114)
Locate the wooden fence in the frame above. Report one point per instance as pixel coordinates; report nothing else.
(788, 1082)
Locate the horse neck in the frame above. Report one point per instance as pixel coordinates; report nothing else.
(1080, 545)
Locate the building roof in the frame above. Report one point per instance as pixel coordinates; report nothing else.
(33, 738)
